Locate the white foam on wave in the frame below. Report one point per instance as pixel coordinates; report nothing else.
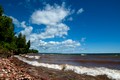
(28, 56)
(112, 74)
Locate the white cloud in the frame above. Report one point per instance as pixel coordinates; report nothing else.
(15, 21)
(50, 15)
(53, 18)
(23, 24)
(27, 29)
(59, 30)
(55, 46)
(18, 23)
(70, 43)
(81, 10)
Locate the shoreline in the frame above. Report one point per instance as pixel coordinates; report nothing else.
(32, 72)
(42, 73)
(80, 70)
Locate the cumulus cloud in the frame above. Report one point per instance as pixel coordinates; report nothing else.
(50, 15)
(50, 32)
(66, 43)
(23, 24)
(58, 30)
(70, 43)
(15, 21)
(26, 29)
(55, 46)
(81, 10)
(18, 23)
(53, 18)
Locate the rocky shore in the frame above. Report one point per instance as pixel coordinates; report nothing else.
(9, 71)
(14, 69)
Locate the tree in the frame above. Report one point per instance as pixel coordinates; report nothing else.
(6, 32)
(6, 29)
(1, 11)
(7, 35)
(28, 44)
(33, 51)
(21, 41)
(8, 41)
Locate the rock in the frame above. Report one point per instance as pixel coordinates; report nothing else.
(8, 71)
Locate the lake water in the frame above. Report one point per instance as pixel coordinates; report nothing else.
(109, 61)
(81, 64)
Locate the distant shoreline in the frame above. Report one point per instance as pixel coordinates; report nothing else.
(83, 53)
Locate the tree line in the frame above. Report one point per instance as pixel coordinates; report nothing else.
(9, 43)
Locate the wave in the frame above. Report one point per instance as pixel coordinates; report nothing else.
(32, 57)
(112, 74)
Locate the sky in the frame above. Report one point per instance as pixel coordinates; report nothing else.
(67, 26)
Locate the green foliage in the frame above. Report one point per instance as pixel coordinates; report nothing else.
(8, 41)
(33, 51)
(21, 44)
(21, 41)
(6, 32)
(6, 29)
(28, 44)
(1, 11)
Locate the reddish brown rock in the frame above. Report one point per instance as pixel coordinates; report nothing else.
(8, 71)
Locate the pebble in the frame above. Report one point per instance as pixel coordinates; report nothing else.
(8, 71)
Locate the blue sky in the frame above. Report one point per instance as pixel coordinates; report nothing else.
(67, 26)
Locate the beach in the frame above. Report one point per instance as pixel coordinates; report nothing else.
(92, 65)
(41, 73)
(31, 67)
(59, 40)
